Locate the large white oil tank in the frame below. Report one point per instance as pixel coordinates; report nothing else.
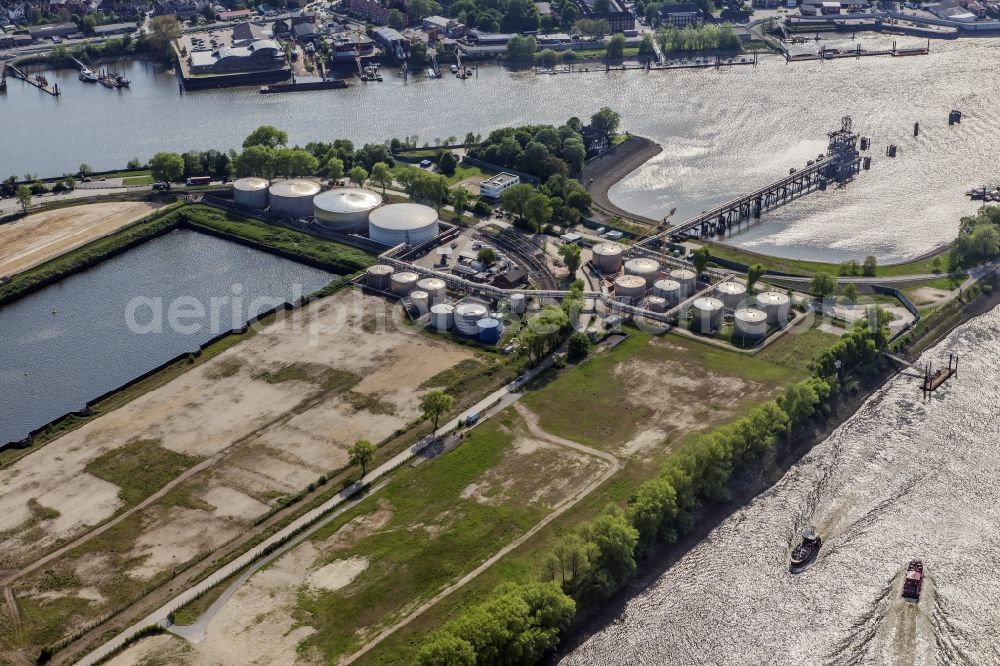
(706, 314)
(251, 192)
(656, 304)
(607, 257)
(629, 287)
(686, 279)
(669, 290)
(749, 324)
(345, 209)
(293, 198)
(379, 277)
(408, 223)
(420, 300)
(443, 316)
(518, 303)
(435, 287)
(776, 305)
(403, 282)
(731, 294)
(644, 267)
(467, 316)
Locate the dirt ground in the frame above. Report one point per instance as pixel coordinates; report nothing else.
(37, 238)
(266, 418)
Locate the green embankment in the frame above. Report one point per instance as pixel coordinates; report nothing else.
(803, 267)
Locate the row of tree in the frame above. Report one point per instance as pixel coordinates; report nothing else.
(594, 561)
(978, 239)
(560, 200)
(707, 37)
(541, 150)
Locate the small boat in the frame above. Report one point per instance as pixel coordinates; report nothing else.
(454, 69)
(431, 74)
(805, 553)
(914, 581)
(87, 76)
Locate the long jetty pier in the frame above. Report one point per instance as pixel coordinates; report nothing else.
(38, 81)
(841, 164)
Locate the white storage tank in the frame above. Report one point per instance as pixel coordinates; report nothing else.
(706, 314)
(403, 283)
(607, 257)
(251, 192)
(408, 223)
(293, 198)
(443, 316)
(345, 209)
(467, 316)
(379, 277)
(669, 290)
(420, 300)
(629, 287)
(749, 324)
(686, 279)
(645, 268)
(656, 304)
(435, 287)
(518, 304)
(731, 294)
(776, 305)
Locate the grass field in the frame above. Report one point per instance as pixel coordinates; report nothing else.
(802, 267)
(140, 468)
(138, 180)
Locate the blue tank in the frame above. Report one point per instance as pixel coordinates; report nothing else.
(490, 330)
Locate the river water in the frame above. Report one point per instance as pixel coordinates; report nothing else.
(71, 341)
(724, 132)
(903, 478)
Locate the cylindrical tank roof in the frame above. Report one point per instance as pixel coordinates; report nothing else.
(682, 274)
(294, 188)
(642, 265)
(345, 200)
(751, 315)
(629, 281)
(432, 284)
(666, 285)
(707, 304)
(442, 308)
(772, 298)
(731, 288)
(403, 216)
(380, 269)
(469, 309)
(488, 322)
(251, 184)
(608, 249)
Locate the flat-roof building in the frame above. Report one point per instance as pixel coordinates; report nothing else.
(115, 29)
(40, 32)
(493, 187)
(264, 53)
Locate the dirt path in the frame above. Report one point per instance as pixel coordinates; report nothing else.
(532, 421)
(603, 173)
(37, 238)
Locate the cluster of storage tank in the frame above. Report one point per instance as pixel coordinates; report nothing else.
(348, 210)
(752, 323)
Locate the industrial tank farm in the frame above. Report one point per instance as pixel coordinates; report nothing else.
(776, 305)
(409, 223)
(749, 324)
(668, 290)
(467, 316)
(379, 277)
(647, 269)
(686, 279)
(706, 315)
(251, 193)
(293, 198)
(607, 257)
(629, 287)
(345, 209)
(731, 294)
(403, 283)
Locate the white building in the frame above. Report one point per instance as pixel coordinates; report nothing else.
(495, 186)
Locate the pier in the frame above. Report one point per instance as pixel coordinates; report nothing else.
(931, 379)
(841, 164)
(38, 80)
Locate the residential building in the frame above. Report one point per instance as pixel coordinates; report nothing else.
(495, 186)
(619, 18)
(79, 7)
(305, 32)
(183, 10)
(682, 15)
(247, 33)
(235, 15)
(371, 10)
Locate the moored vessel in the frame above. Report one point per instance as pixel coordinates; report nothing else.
(805, 553)
(913, 581)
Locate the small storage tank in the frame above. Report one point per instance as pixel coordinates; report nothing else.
(379, 277)
(420, 300)
(749, 324)
(776, 305)
(251, 192)
(345, 209)
(293, 198)
(403, 283)
(443, 316)
(731, 294)
(629, 287)
(706, 314)
(518, 304)
(656, 304)
(669, 290)
(408, 223)
(607, 257)
(467, 316)
(435, 287)
(645, 268)
(490, 330)
(686, 279)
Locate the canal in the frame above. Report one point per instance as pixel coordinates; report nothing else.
(904, 478)
(85, 335)
(723, 131)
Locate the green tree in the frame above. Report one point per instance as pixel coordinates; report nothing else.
(578, 345)
(361, 454)
(592, 27)
(256, 161)
(266, 135)
(870, 267)
(701, 258)
(614, 562)
(538, 210)
(381, 174)
(396, 19)
(445, 649)
(435, 404)
(851, 292)
(359, 175)
(646, 48)
(459, 199)
(570, 253)
(23, 196)
(418, 52)
(162, 31)
(616, 48)
(548, 57)
(85, 170)
(487, 256)
(447, 163)
(168, 167)
(754, 274)
(606, 120)
(521, 49)
(334, 168)
(823, 284)
(514, 199)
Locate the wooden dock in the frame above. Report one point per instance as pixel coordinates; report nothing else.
(38, 81)
(935, 379)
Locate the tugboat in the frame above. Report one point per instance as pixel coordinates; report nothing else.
(914, 581)
(804, 554)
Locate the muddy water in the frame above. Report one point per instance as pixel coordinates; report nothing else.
(904, 478)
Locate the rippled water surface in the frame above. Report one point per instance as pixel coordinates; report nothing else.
(71, 341)
(902, 479)
(724, 132)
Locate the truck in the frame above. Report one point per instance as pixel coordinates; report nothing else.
(199, 180)
(472, 419)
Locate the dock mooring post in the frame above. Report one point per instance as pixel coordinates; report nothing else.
(916, 129)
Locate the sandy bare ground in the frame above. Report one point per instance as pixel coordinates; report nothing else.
(257, 441)
(37, 238)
